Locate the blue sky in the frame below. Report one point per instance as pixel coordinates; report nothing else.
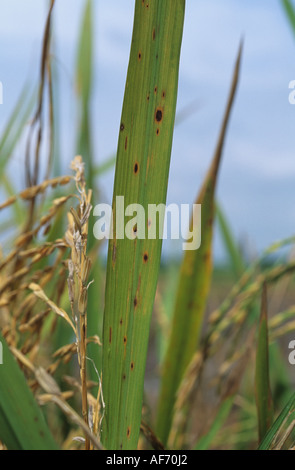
(256, 185)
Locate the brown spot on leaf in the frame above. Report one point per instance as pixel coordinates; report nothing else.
(159, 114)
(110, 336)
(154, 34)
(158, 131)
(135, 302)
(145, 257)
(139, 56)
(125, 339)
(128, 432)
(155, 90)
(122, 127)
(132, 365)
(126, 142)
(136, 168)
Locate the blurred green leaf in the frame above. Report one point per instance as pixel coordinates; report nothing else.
(84, 75)
(193, 287)
(221, 417)
(234, 256)
(277, 428)
(262, 382)
(22, 424)
(290, 11)
(15, 126)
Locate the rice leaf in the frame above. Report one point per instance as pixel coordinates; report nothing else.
(290, 11)
(234, 256)
(84, 75)
(22, 424)
(262, 382)
(274, 432)
(193, 288)
(141, 176)
(221, 417)
(15, 126)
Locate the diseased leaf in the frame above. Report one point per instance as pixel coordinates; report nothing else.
(142, 168)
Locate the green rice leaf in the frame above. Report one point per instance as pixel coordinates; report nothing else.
(22, 424)
(193, 287)
(277, 428)
(262, 382)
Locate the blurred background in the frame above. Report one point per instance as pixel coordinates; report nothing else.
(256, 184)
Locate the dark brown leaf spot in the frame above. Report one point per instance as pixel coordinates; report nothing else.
(126, 142)
(122, 127)
(139, 56)
(159, 115)
(135, 302)
(128, 432)
(136, 168)
(145, 257)
(132, 365)
(125, 339)
(158, 131)
(110, 336)
(154, 34)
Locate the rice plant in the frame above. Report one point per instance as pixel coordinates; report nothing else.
(135, 352)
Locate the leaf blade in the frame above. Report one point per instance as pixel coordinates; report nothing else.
(262, 376)
(22, 425)
(193, 287)
(142, 168)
